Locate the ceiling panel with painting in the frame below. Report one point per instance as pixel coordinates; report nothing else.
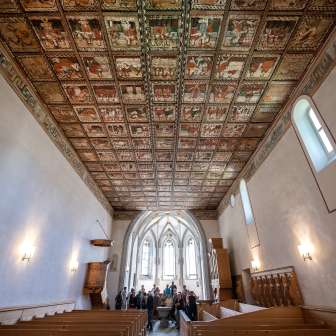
(165, 101)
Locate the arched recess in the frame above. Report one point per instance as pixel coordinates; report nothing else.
(181, 224)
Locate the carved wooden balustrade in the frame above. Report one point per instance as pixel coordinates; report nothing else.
(277, 287)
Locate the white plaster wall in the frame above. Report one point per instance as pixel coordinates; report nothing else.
(45, 201)
(210, 227)
(289, 210)
(118, 233)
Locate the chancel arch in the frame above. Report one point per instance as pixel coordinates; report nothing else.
(161, 247)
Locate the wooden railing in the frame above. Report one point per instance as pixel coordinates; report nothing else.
(10, 315)
(276, 287)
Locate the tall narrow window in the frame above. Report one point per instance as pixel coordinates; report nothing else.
(145, 258)
(168, 259)
(246, 203)
(315, 138)
(191, 259)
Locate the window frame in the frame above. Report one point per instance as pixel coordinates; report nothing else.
(188, 275)
(168, 276)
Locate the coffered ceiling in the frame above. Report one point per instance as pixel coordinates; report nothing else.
(165, 100)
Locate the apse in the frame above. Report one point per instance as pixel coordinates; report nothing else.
(165, 246)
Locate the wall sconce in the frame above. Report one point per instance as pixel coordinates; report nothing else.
(305, 250)
(74, 265)
(27, 251)
(255, 265)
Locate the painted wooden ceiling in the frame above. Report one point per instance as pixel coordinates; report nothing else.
(165, 100)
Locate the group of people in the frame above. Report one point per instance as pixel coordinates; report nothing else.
(183, 300)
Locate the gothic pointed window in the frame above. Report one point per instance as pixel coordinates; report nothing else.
(168, 254)
(145, 261)
(191, 259)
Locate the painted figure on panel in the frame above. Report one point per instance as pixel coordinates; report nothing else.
(164, 143)
(216, 113)
(17, 34)
(116, 130)
(87, 33)
(38, 5)
(207, 144)
(164, 4)
(77, 93)
(123, 32)
(229, 67)
(211, 130)
(36, 67)
(222, 93)
(276, 33)
(66, 68)
(97, 67)
(261, 67)
(139, 130)
(250, 92)
(128, 67)
(199, 66)
(277, 93)
(163, 68)
(311, 32)
(209, 4)
(78, 4)
(133, 94)
(233, 130)
(164, 32)
(87, 113)
(63, 113)
(101, 143)
(189, 130)
(73, 130)
(204, 32)
(240, 31)
(292, 66)
(143, 143)
(136, 114)
(106, 94)
(241, 113)
(248, 4)
(121, 143)
(119, 4)
(322, 5)
(164, 130)
(256, 130)
(112, 113)
(164, 92)
(51, 33)
(288, 4)
(50, 92)
(191, 113)
(194, 92)
(95, 130)
(164, 112)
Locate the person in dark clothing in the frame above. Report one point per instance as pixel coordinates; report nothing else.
(132, 303)
(118, 301)
(144, 301)
(192, 307)
(150, 308)
(138, 298)
(179, 305)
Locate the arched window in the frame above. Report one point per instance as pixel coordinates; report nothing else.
(314, 135)
(246, 203)
(145, 260)
(191, 267)
(168, 255)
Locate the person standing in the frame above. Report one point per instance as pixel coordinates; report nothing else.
(192, 307)
(150, 307)
(132, 301)
(118, 301)
(166, 291)
(179, 305)
(124, 298)
(138, 298)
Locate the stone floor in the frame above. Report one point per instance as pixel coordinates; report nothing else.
(157, 331)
